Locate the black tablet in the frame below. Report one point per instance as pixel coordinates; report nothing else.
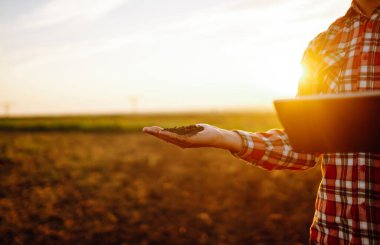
(347, 122)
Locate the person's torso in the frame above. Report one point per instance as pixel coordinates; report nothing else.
(348, 202)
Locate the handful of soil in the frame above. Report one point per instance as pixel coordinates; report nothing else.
(185, 130)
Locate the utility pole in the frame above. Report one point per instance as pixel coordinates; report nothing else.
(134, 103)
(7, 108)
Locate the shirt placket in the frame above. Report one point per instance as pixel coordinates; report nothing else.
(351, 70)
(365, 46)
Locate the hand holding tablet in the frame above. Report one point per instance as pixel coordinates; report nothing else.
(332, 123)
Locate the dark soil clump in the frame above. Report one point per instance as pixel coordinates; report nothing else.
(185, 130)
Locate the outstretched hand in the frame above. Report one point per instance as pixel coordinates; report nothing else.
(210, 136)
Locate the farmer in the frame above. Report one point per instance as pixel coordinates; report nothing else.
(344, 58)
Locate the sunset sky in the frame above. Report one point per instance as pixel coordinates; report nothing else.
(119, 56)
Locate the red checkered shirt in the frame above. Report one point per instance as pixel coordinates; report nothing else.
(344, 58)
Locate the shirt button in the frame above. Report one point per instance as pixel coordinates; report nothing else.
(362, 205)
(362, 168)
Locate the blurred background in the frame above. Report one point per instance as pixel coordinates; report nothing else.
(90, 56)
(80, 78)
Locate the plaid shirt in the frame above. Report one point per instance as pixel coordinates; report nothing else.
(345, 58)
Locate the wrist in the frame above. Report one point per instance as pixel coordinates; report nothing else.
(231, 141)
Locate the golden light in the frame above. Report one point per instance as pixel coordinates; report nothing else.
(280, 75)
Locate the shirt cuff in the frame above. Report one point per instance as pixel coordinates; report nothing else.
(248, 144)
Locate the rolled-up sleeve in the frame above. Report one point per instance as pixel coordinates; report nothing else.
(271, 150)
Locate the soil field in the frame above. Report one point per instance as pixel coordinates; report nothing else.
(111, 187)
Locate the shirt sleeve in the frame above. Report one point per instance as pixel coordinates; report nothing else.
(271, 150)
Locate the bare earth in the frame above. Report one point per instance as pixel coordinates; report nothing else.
(130, 188)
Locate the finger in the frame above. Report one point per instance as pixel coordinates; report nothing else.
(202, 124)
(154, 130)
(157, 132)
(174, 142)
(180, 137)
(171, 139)
(169, 134)
(183, 140)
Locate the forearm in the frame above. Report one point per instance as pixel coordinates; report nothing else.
(230, 141)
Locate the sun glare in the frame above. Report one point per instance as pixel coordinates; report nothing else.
(281, 75)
